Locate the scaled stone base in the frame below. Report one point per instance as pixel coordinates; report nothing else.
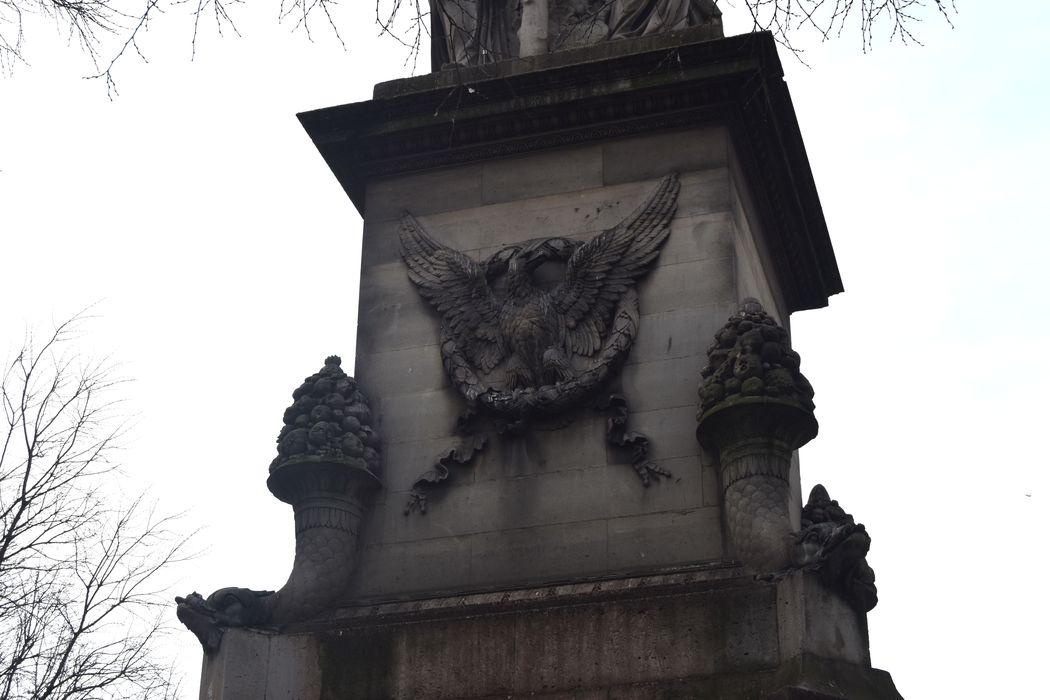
(707, 633)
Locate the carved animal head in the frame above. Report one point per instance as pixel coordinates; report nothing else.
(527, 259)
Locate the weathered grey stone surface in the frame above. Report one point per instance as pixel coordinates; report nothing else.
(812, 619)
(669, 538)
(254, 665)
(233, 672)
(539, 174)
(756, 277)
(579, 645)
(293, 671)
(560, 501)
(428, 192)
(652, 155)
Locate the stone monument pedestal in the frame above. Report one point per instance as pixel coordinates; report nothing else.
(543, 567)
(704, 633)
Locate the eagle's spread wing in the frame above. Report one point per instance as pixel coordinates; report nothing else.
(456, 286)
(601, 270)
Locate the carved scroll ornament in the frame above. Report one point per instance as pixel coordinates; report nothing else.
(522, 355)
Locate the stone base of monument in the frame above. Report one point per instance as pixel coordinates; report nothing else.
(661, 185)
(706, 633)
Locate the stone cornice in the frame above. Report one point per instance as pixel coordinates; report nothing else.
(674, 80)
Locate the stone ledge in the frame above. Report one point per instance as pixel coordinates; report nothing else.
(714, 575)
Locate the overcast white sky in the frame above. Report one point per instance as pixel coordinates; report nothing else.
(225, 258)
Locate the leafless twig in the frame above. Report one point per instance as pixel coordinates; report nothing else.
(80, 607)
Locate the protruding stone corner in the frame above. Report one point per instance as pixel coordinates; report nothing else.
(326, 469)
(756, 408)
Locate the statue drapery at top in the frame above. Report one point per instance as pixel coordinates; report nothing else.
(469, 32)
(472, 32)
(630, 18)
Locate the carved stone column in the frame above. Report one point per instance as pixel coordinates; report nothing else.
(756, 409)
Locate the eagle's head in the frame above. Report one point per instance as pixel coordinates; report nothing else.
(530, 257)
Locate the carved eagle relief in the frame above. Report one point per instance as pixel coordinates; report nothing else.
(536, 330)
(556, 345)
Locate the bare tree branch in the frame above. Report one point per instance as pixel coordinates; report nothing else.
(828, 19)
(80, 605)
(110, 30)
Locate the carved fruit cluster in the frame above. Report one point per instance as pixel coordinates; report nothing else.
(330, 418)
(752, 356)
